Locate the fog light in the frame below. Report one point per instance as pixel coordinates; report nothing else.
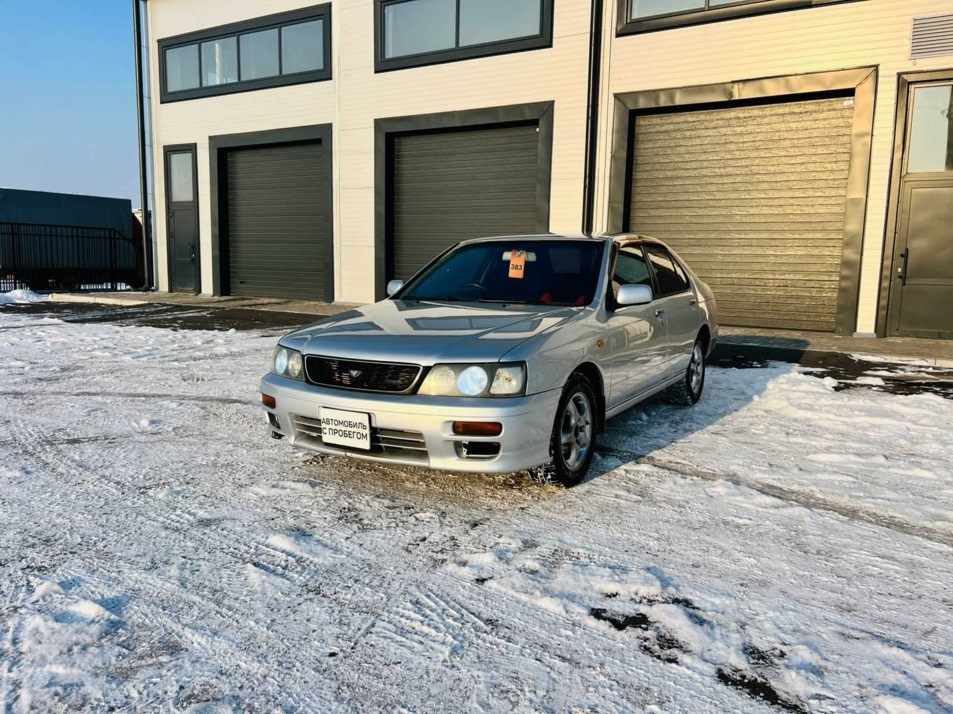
(268, 401)
(477, 428)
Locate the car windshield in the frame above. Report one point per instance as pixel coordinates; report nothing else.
(526, 272)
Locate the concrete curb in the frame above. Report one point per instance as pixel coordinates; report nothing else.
(913, 361)
(94, 300)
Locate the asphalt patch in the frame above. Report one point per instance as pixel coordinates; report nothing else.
(756, 687)
(850, 372)
(169, 317)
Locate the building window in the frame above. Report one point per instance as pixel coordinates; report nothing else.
(274, 51)
(650, 15)
(220, 62)
(931, 130)
(414, 33)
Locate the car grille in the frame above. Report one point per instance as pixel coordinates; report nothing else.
(404, 445)
(360, 375)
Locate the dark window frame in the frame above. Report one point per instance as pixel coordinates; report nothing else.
(612, 305)
(676, 268)
(236, 29)
(455, 54)
(742, 8)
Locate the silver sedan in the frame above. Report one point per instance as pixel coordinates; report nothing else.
(503, 354)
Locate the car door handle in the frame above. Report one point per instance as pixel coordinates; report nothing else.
(693, 303)
(660, 314)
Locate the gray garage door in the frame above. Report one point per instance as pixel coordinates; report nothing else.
(278, 233)
(456, 185)
(753, 198)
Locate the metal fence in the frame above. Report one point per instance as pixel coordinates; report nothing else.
(47, 257)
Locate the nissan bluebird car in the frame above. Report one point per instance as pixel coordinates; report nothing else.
(503, 354)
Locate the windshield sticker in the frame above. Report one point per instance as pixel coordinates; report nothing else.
(517, 263)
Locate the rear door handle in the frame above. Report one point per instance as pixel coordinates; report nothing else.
(693, 303)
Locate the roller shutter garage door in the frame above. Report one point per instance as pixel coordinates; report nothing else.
(278, 230)
(460, 184)
(753, 198)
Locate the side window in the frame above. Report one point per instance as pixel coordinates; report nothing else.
(630, 269)
(671, 279)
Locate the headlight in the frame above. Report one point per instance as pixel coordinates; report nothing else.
(475, 380)
(472, 381)
(508, 380)
(288, 363)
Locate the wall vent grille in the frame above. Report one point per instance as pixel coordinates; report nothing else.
(932, 36)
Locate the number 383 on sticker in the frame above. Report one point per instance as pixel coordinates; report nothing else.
(517, 264)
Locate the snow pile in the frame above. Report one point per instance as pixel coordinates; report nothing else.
(17, 297)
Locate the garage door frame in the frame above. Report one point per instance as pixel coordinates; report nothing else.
(863, 83)
(386, 129)
(218, 150)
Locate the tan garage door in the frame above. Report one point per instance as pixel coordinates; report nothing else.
(753, 198)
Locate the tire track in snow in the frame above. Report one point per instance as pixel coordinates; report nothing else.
(297, 567)
(43, 450)
(8, 655)
(797, 497)
(152, 601)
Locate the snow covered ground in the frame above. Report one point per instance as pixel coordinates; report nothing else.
(783, 546)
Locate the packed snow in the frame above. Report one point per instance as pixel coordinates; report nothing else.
(783, 545)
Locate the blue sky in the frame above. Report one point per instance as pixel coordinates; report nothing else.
(68, 97)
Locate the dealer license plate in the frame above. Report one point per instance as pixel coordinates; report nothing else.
(349, 429)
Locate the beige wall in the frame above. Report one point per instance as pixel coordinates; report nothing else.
(858, 34)
(868, 33)
(356, 97)
(194, 121)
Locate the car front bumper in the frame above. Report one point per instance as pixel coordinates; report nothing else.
(417, 430)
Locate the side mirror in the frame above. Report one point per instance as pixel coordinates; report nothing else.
(393, 287)
(634, 295)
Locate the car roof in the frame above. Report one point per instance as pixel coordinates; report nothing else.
(535, 236)
(633, 238)
(598, 237)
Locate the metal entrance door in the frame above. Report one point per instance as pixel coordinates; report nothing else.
(182, 229)
(921, 292)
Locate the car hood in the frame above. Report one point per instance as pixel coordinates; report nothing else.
(427, 333)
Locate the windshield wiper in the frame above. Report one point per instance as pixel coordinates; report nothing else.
(526, 302)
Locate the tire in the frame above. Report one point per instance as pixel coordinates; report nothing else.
(689, 390)
(573, 441)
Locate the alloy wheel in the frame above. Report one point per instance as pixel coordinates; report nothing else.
(696, 370)
(576, 431)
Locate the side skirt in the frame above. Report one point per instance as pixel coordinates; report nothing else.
(642, 396)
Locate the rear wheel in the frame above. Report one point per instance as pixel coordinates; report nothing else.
(688, 391)
(573, 441)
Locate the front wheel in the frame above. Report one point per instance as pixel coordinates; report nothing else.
(688, 391)
(573, 441)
